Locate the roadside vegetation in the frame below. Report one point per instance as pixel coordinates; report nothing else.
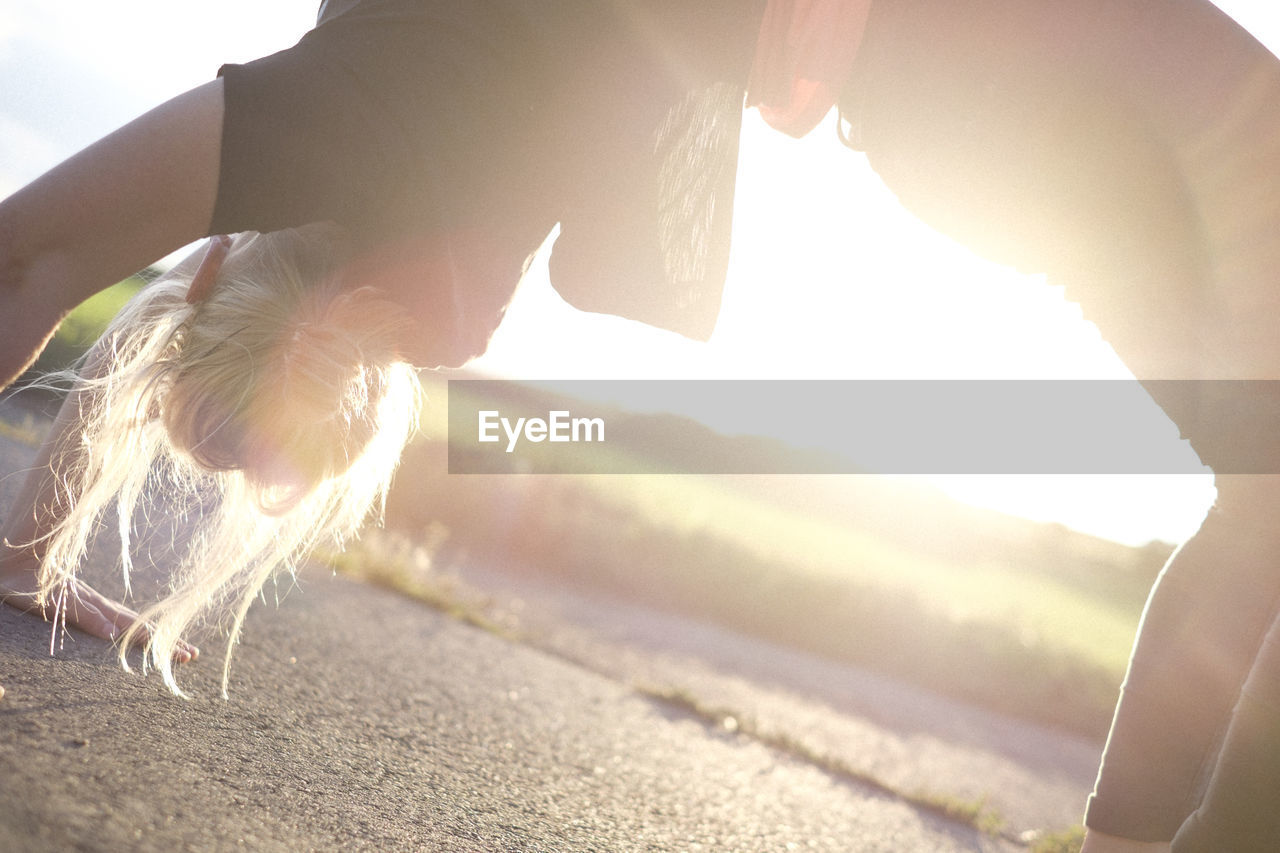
(84, 324)
(1028, 619)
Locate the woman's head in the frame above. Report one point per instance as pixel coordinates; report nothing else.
(282, 369)
(271, 412)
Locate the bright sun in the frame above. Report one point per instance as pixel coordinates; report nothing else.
(831, 279)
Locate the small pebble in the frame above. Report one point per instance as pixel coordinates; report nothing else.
(1, 692)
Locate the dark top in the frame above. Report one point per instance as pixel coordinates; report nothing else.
(450, 137)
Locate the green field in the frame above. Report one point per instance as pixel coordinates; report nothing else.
(1031, 605)
(1026, 618)
(84, 324)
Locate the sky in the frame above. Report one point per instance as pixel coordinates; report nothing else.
(829, 277)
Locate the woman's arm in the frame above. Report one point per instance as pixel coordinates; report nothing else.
(43, 498)
(147, 189)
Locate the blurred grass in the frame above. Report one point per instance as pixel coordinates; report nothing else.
(1001, 636)
(1067, 841)
(1024, 618)
(84, 325)
(1030, 604)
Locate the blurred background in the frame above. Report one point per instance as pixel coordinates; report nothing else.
(1018, 592)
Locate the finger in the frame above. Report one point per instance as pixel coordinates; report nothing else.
(91, 620)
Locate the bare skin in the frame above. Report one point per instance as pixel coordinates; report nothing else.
(109, 211)
(20, 556)
(84, 608)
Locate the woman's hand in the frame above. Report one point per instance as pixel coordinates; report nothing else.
(85, 608)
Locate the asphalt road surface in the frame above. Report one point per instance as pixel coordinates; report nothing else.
(359, 720)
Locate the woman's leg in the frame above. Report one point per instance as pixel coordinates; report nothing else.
(1199, 635)
(1239, 812)
(1131, 150)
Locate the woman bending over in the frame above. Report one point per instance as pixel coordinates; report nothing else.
(1128, 148)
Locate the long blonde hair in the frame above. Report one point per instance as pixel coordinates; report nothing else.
(270, 416)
